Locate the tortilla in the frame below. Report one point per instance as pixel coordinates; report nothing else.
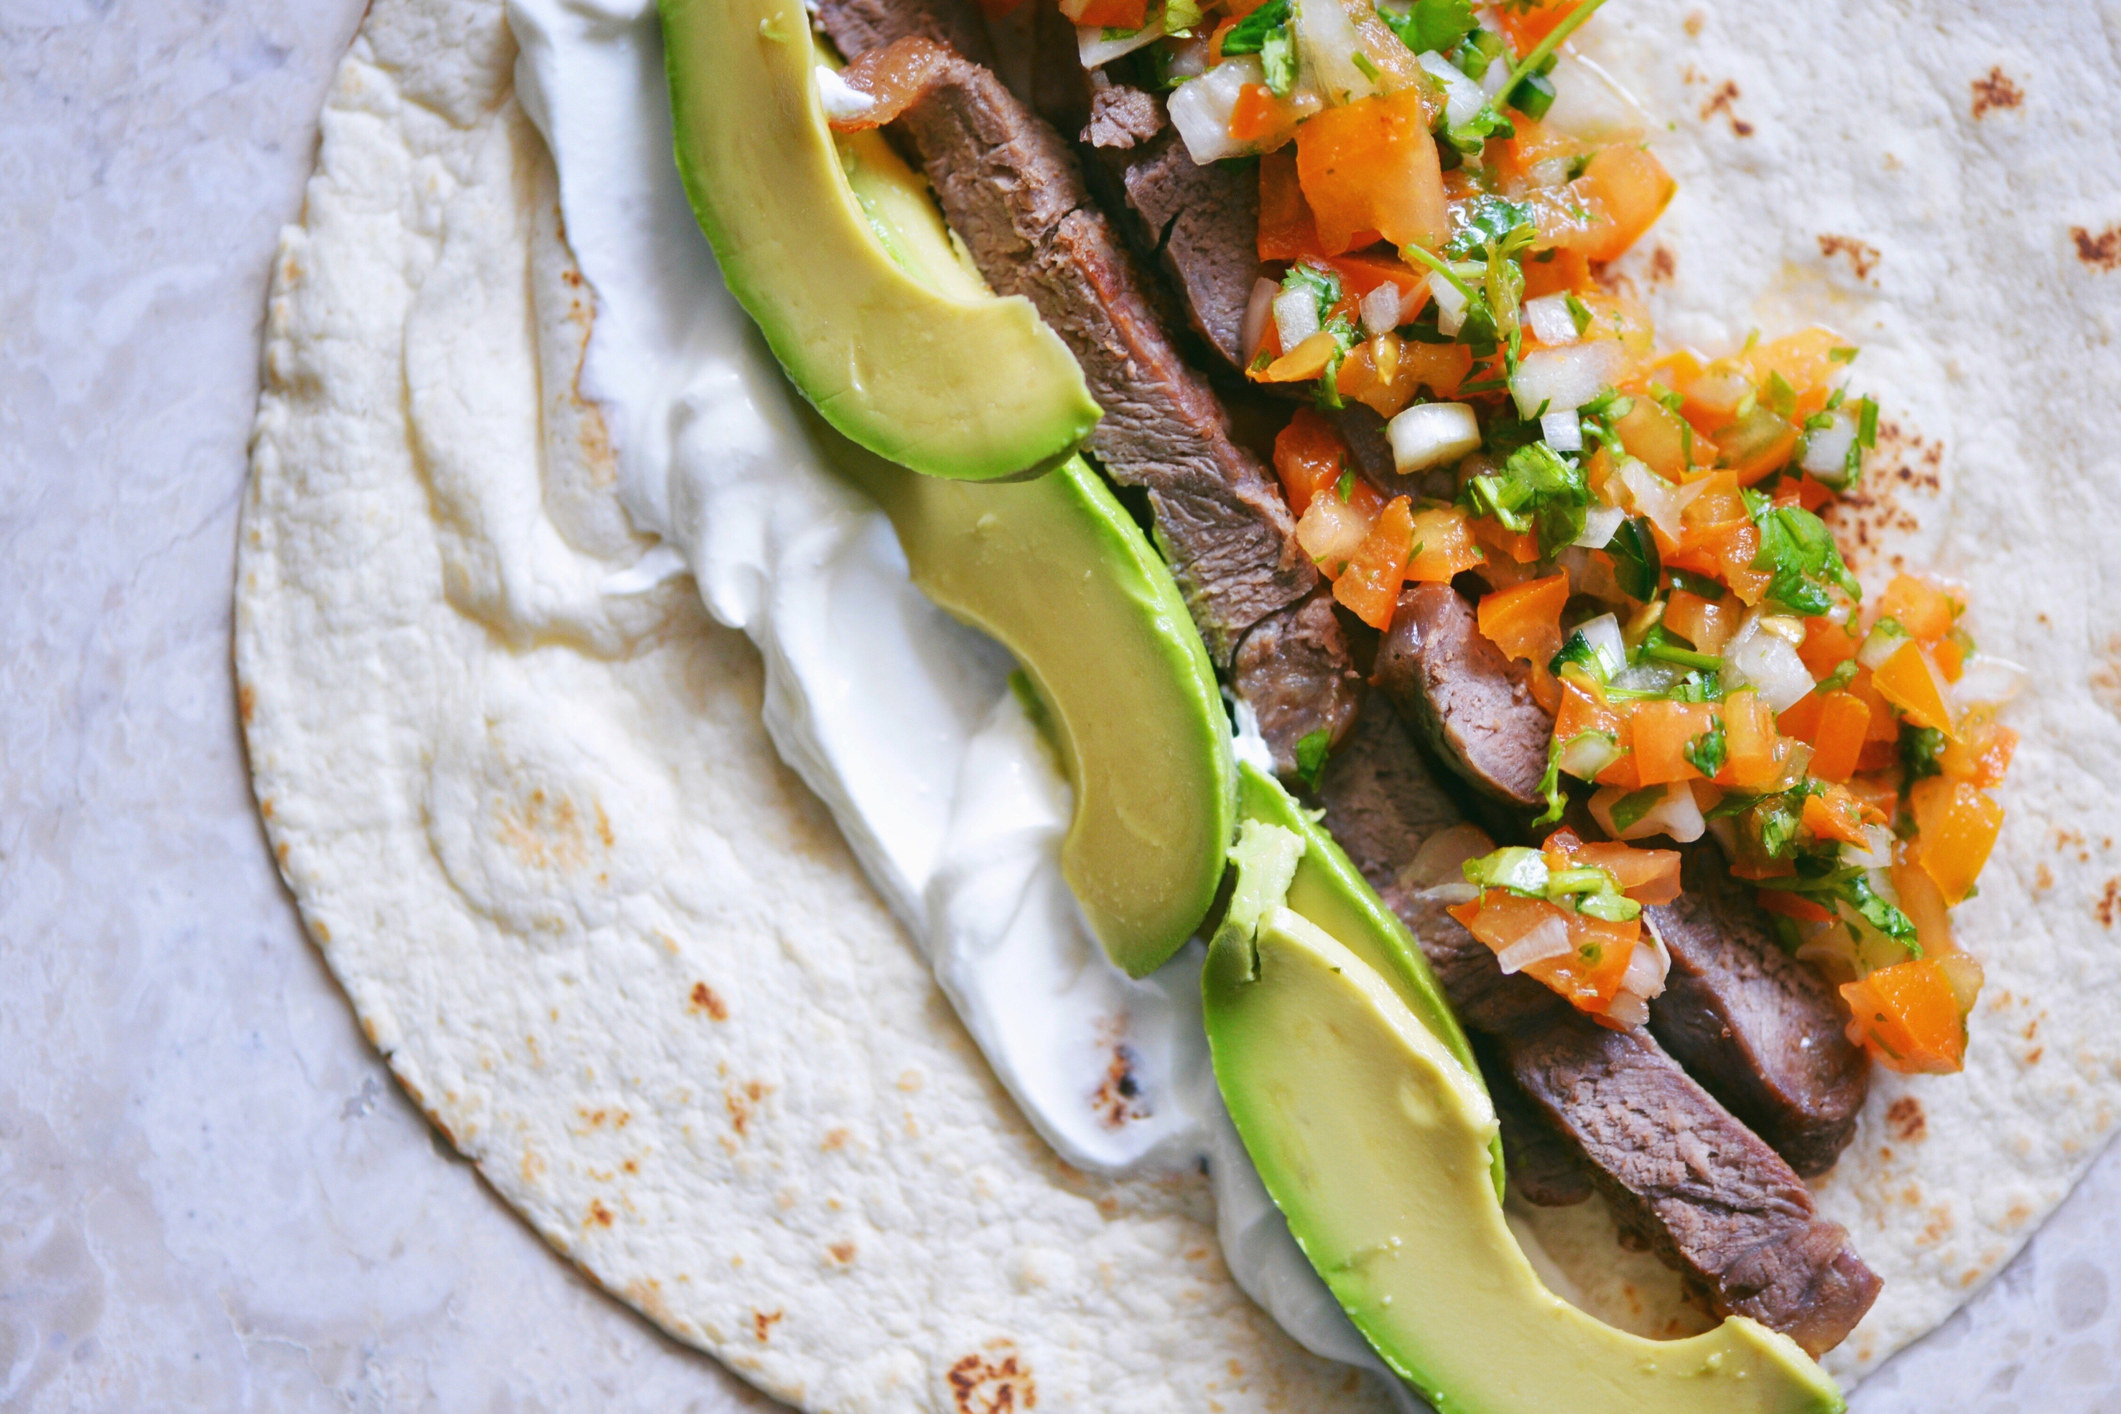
(623, 960)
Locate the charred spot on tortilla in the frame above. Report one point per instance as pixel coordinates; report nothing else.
(1994, 90)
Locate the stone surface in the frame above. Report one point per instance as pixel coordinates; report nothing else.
(211, 1196)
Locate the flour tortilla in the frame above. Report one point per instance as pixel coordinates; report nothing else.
(625, 963)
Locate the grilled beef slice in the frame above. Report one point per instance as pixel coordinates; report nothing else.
(1681, 1171)
(1761, 1030)
(855, 26)
(1200, 223)
(1470, 703)
(1012, 190)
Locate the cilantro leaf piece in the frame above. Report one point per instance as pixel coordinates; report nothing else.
(1251, 32)
(1490, 219)
(1533, 95)
(1799, 552)
(1630, 808)
(1705, 753)
(1659, 646)
(1180, 16)
(1550, 786)
(1919, 749)
(1513, 867)
(1431, 24)
(1636, 563)
(1613, 908)
(1536, 488)
(1311, 752)
(1277, 56)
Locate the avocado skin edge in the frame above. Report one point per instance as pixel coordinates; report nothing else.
(953, 383)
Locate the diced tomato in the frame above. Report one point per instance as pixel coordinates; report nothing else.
(1982, 754)
(1526, 25)
(1924, 610)
(1908, 1017)
(1756, 444)
(1447, 549)
(1438, 367)
(1827, 645)
(1805, 362)
(893, 75)
(1627, 189)
(1106, 14)
(1749, 739)
(1300, 364)
(1371, 165)
(1885, 727)
(1524, 621)
(1369, 587)
(1838, 742)
(1309, 456)
(1951, 658)
(1656, 437)
(1706, 623)
(1588, 975)
(1834, 814)
(1924, 905)
(1286, 230)
(1255, 114)
(1910, 681)
(1360, 274)
(1649, 876)
(1662, 731)
(1515, 547)
(1956, 828)
(1802, 719)
(1553, 271)
(1795, 906)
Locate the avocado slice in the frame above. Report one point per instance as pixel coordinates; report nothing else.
(1375, 1141)
(897, 345)
(1328, 890)
(1063, 577)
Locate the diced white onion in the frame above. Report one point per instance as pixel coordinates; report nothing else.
(1441, 859)
(1462, 98)
(1295, 317)
(1188, 59)
(1881, 643)
(1676, 815)
(1548, 938)
(1380, 309)
(1550, 320)
(1326, 44)
(1588, 753)
(1330, 530)
(1826, 451)
(1258, 309)
(1563, 431)
(1200, 108)
(1987, 678)
(1450, 304)
(1628, 1009)
(1548, 172)
(1766, 662)
(1430, 434)
(841, 99)
(1599, 522)
(1590, 106)
(1654, 496)
(1876, 852)
(1650, 677)
(1720, 391)
(1603, 634)
(1645, 975)
(1497, 75)
(1564, 379)
(1096, 50)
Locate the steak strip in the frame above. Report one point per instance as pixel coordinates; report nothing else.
(1680, 1171)
(1012, 190)
(1761, 1030)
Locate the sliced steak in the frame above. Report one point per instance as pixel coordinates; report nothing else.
(1681, 1171)
(1545, 1166)
(1012, 189)
(1201, 223)
(1293, 671)
(1710, 1196)
(1472, 705)
(1761, 1030)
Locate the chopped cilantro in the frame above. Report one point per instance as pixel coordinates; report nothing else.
(1550, 785)
(1866, 438)
(1431, 24)
(1705, 753)
(1843, 672)
(1659, 646)
(1509, 225)
(1579, 313)
(1180, 16)
(1513, 867)
(1578, 650)
(1636, 563)
(1535, 489)
(1532, 96)
(1613, 908)
(1781, 396)
(1346, 485)
(1311, 749)
(1842, 355)
(1798, 550)
(1363, 65)
(1919, 750)
(1251, 32)
(1699, 585)
(1277, 56)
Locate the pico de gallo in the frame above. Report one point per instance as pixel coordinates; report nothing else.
(1437, 201)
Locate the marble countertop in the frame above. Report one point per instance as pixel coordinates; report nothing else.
(211, 1195)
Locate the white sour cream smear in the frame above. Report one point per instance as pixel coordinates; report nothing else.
(899, 717)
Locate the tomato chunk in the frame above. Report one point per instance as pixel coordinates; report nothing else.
(1369, 587)
(1907, 1016)
(1524, 621)
(1956, 828)
(1371, 166)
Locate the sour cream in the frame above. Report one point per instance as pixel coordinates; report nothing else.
(900, 718)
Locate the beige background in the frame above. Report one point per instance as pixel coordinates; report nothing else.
(210, 1196)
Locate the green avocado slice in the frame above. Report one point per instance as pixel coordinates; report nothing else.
(1330, 891)
(1063, 577)
(1375, 1141)
(868, 311)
